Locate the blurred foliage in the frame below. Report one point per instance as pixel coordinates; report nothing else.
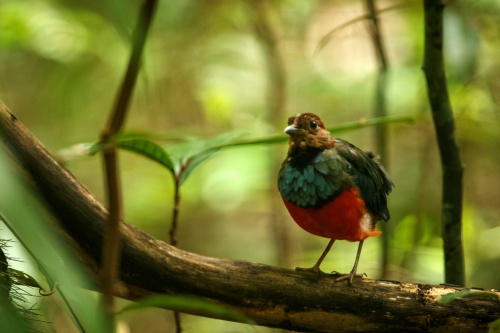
(448, 298)
(204, 73)
(27, 221)
(188, 304)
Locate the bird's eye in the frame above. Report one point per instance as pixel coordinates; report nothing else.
(313, 124)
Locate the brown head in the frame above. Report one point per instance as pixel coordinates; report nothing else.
(307, 129)
(308, 137)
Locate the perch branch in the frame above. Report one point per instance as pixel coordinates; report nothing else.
(272, 296)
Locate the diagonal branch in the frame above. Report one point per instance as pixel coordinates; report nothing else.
(444, 123)
(272, 296)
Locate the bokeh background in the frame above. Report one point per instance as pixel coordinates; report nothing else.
(207, 70)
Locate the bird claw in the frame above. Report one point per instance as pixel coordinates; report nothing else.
(314, 269)
(349, 277)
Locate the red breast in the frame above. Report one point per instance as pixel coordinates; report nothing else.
(343, 218)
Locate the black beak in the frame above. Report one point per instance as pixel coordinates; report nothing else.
(292, 130)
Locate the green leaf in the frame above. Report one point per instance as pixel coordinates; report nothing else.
(188, 304)
(494, 326)
(147, 149)
(194, 151)
(448, 298)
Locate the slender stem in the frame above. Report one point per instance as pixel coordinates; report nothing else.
(327, 38)
(173, 235)
(175, 213)
(380, 108)
(444, 123)
(177, 319)
(111, 249)
(173, 227)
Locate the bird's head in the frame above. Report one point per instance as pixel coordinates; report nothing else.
(303, 123)
(307, 131)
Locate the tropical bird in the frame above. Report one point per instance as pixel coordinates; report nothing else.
(331, 188)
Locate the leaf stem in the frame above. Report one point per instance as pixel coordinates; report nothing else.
(175, 213)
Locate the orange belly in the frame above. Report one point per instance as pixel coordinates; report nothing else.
(342, 218)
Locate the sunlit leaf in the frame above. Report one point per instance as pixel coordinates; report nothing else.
(147, 149)
(448, 298)
(188, 304)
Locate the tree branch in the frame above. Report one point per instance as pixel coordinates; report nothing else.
(444, 123)
(272, 296)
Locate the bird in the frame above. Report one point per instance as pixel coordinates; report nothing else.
(331, 188)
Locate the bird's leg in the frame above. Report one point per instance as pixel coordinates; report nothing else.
(353, 274)
(315, 268)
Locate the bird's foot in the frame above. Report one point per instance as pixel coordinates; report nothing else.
(315, 269)
(349, 277)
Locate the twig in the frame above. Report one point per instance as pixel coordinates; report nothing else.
(326, 38)
(177, 201)
(444, 123)
(173, 229)
(380, 107)
(111, 249)
(175, 213)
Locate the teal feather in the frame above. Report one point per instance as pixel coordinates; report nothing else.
(316, 183)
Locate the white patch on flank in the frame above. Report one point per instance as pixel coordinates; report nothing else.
(366, 223)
